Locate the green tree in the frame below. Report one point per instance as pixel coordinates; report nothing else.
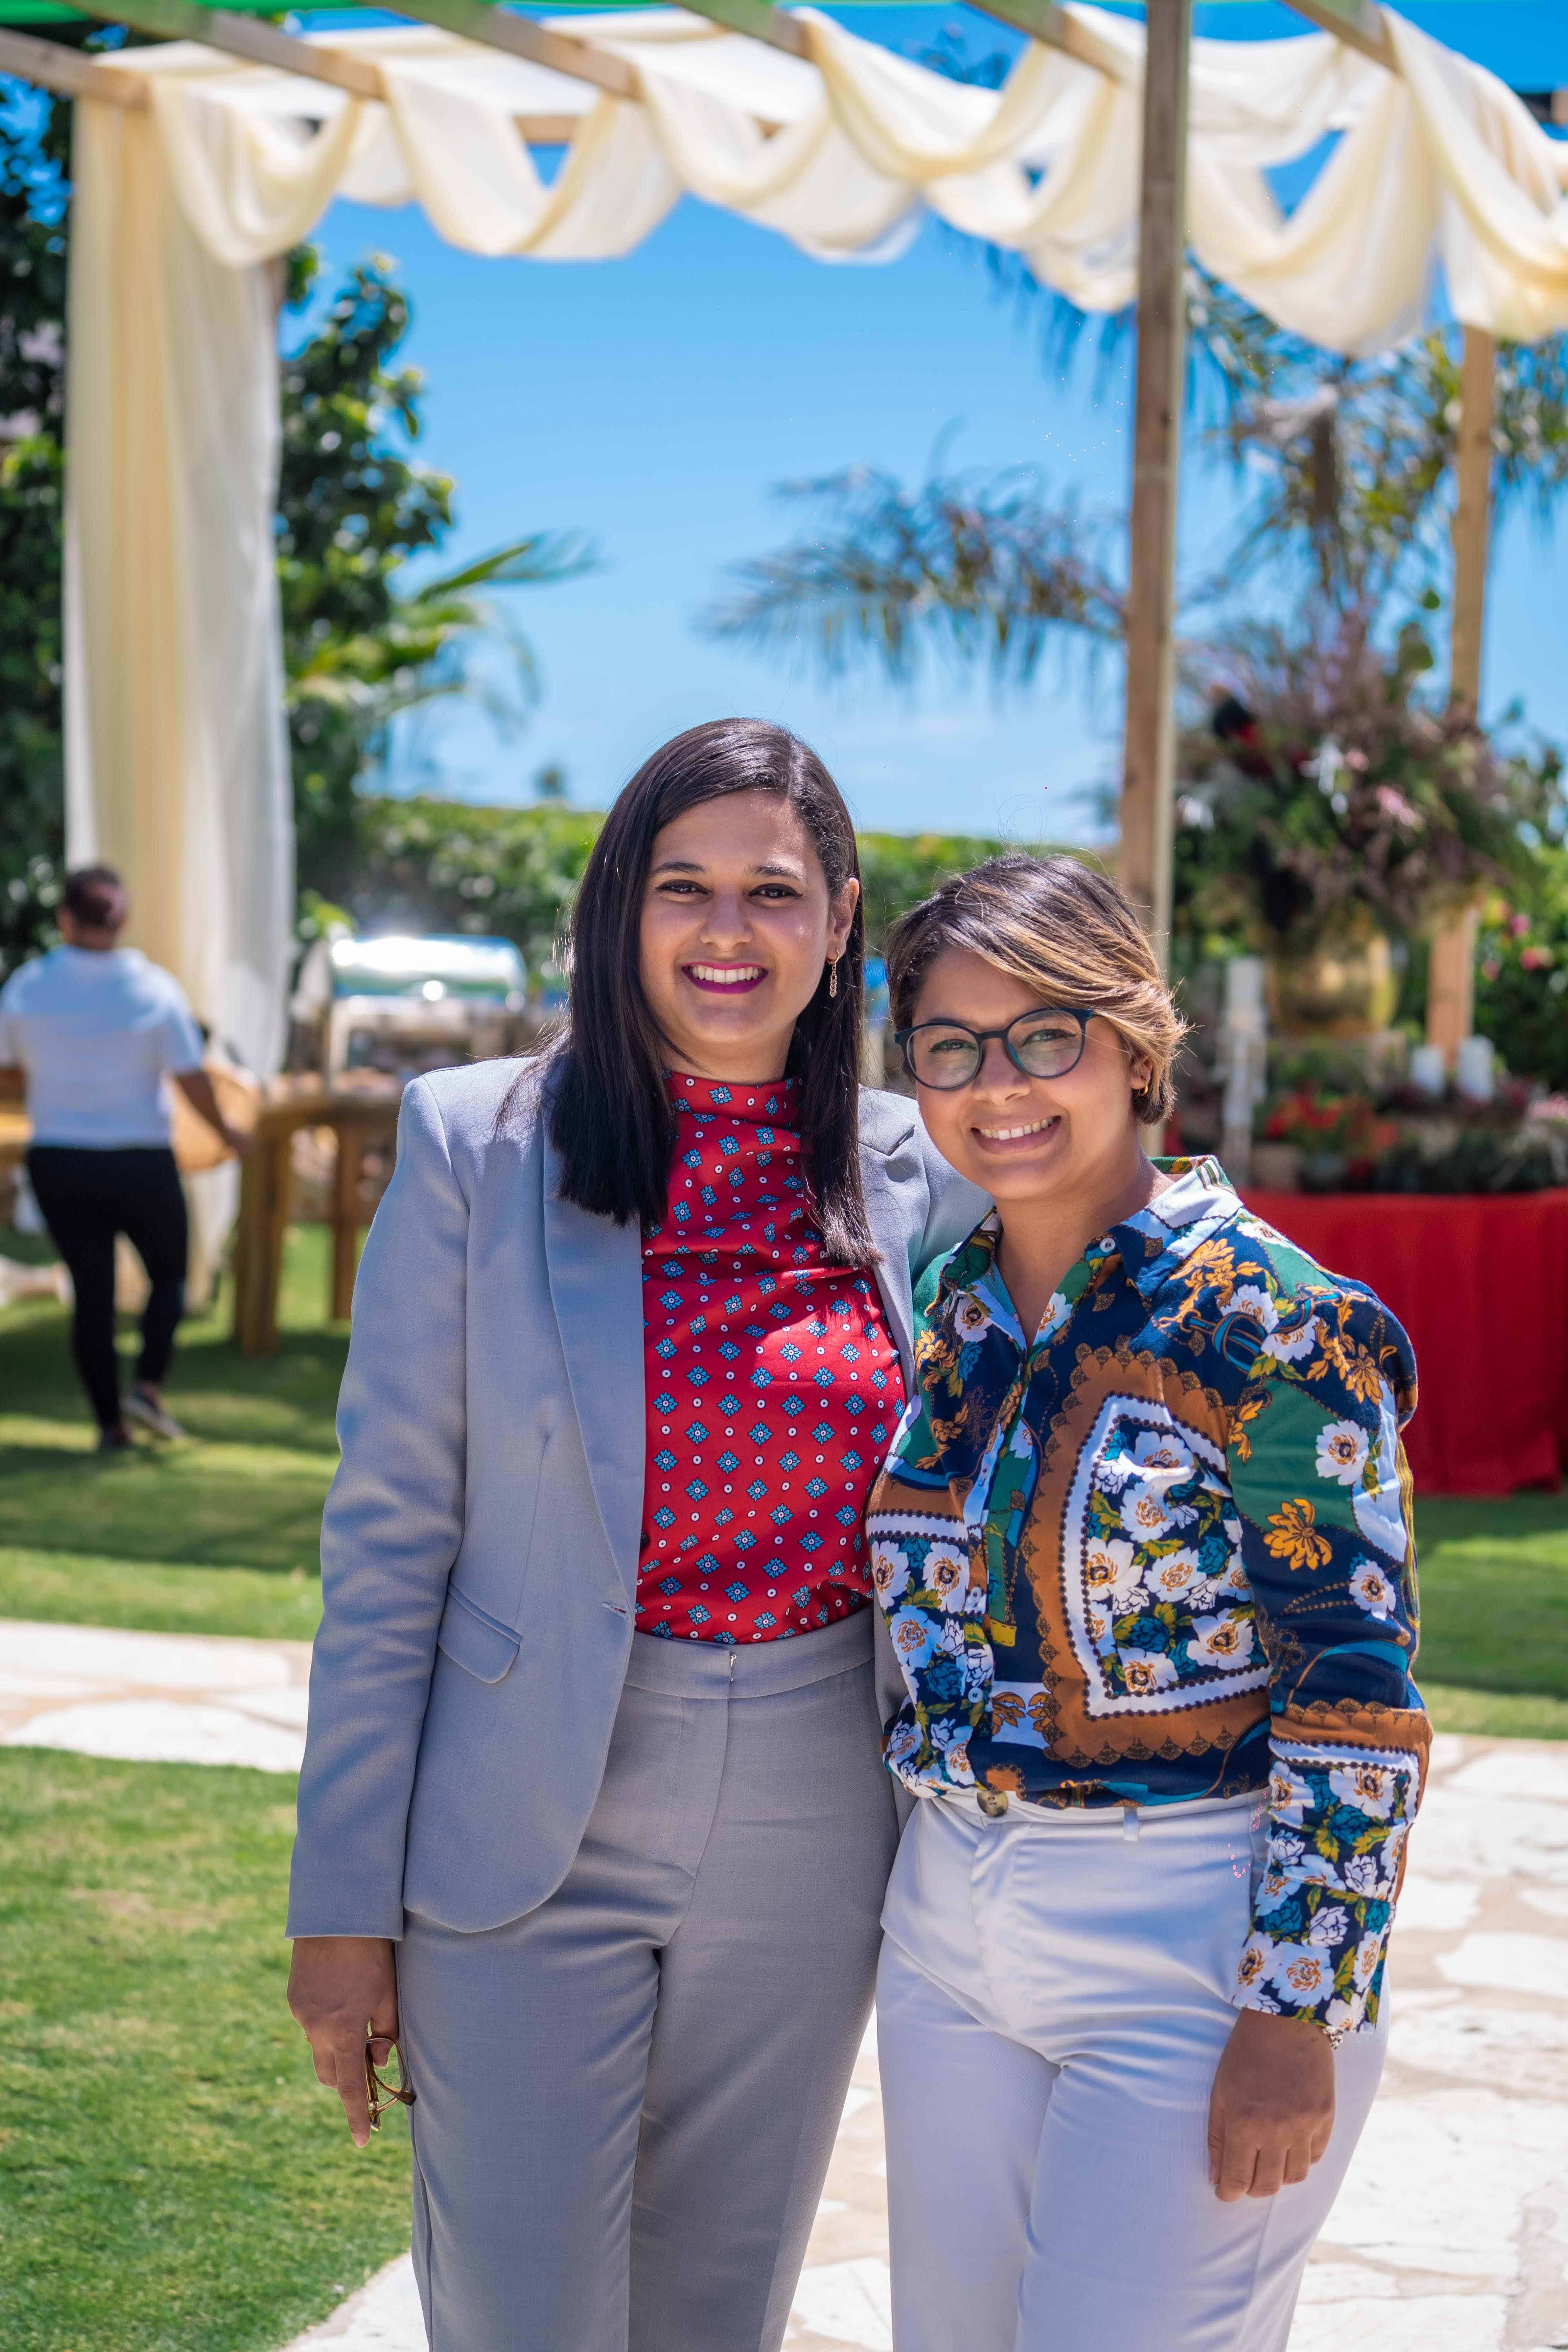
(1353, 458)
(451, 867)
(360, 648)
(33, 192)
(354, 509)
(1521, 980)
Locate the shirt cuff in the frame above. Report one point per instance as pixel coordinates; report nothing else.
(1339, 1816)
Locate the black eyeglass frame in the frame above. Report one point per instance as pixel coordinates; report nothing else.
(982, 1038)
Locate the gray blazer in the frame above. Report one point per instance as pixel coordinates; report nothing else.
(479, 1543)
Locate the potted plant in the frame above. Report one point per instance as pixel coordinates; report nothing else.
(1337, 1135)
(1328, 813)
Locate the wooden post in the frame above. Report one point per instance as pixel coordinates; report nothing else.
(1149, 761)
(1472, 516)
(1451, 972)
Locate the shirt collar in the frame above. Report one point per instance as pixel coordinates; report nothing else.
(1154, 1242)
(1151, 1243)
(771, 1102)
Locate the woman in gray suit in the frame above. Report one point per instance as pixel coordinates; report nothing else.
(593, 1819)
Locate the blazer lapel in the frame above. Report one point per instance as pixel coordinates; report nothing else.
(596, 1287)
(890, 1231)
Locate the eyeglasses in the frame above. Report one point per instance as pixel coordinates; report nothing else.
(381, 2093)
(1045, 1043)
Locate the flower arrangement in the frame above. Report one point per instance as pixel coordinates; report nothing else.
(1339, 1135)
(1323, 791)
(1349, 1139)
(1521, 970)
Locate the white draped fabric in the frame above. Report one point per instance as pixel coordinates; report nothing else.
(177, 761)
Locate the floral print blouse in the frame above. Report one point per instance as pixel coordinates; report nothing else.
(1165, 1552)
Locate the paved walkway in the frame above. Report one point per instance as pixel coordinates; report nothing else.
(156, 1698)
(1454, 2220)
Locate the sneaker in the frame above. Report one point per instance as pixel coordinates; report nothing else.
(115, 1440)
(152, 1417)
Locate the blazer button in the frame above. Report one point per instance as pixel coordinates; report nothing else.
(992, 1802)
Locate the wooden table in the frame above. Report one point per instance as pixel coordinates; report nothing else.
(15, 1134)
(358, 1116)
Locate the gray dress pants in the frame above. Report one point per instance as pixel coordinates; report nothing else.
(627, 2098)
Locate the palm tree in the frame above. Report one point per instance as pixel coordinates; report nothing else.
(980, 570)
(1354, 458)
(361, 649)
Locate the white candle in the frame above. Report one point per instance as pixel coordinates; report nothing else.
(1473, 1068)
(1427, 1073)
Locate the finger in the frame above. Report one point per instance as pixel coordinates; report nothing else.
(1217, 2150)
(1268, 2173)
(384, 2016)
(1298, 2164)
(1317, 2146)
(325, 2063)
(351, 2090)
(1236, 2168)
(381, 2048)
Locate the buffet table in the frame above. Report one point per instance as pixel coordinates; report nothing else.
(1481, 1283)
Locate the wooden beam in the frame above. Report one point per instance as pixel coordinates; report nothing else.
(1451, 960)
(262, 44)
(1054, 28)
(520, 37)
(1358, 23)
(244, 37)
(1472, 516)
(758, 21)
(66, 72)
(1042, 20)
(1452, 966)
(1149, 759)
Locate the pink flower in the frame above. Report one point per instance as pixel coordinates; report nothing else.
(1518, 925)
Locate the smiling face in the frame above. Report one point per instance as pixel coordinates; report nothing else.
(738, 925)
(1020, 1138)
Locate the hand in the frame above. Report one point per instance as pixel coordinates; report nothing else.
(1272, 2108)
(340, 1988)
(239, 1139)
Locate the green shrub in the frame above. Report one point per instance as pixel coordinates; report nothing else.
(441, 865)
(1522, 974)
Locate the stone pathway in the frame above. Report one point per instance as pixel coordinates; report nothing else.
(154, 1699)
(1451, 2232)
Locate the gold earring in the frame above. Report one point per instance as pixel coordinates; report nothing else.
(833, 977)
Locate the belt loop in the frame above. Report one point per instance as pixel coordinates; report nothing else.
(1130, 1823)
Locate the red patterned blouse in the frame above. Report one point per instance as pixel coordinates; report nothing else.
(773, 1389)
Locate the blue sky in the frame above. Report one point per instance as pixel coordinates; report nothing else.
(655, 402)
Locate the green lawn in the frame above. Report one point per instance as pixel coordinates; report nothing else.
(171, 2177)
(219, 1536)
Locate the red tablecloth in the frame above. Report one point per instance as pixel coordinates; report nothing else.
(1481, 1283)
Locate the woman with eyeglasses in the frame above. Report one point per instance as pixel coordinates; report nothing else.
(1143, 1547)
(593, 1819)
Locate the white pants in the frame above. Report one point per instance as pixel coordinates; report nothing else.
(1054, 1995)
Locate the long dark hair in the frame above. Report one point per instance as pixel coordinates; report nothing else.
(609, 1110)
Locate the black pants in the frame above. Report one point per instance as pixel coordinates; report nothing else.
(87, 1197)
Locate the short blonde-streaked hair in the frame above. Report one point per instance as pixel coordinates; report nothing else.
(1065, 932)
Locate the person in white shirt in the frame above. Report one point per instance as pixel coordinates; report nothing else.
(92, 1033)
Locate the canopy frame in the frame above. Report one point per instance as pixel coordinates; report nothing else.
(1148, 773)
